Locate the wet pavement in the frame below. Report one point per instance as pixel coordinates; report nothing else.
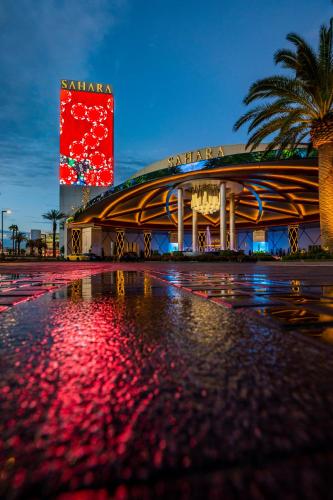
(28, 283)
(303, 305)
(121, 385)
(298, 297)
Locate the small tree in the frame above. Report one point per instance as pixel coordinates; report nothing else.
(14, 230)
(54, 216)
(19, 238)
(31, 244)
(41, 245)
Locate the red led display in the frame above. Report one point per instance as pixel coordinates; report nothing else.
(86, 136)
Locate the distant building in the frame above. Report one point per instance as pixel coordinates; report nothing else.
(35, 234)
(47, 237)
(49, 241)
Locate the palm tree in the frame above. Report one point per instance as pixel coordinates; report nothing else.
(19, 238)
(31, 244)
(298, 109)
(41, 245)
(54, 216)
(14, 229)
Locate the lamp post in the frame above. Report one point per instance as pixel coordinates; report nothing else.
(3, 212)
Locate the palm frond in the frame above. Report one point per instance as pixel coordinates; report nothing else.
(246, 117)
(274, 109)
(54, 215)
(290, 106)
(290, 139)
(282, 124)
(325, 58)
(282, 87)
(287, 58)
(307, 66)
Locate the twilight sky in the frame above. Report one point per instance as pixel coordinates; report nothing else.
(179, 70)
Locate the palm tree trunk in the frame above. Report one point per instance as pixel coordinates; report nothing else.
(325, 152)
(13, 244)
(54, 238)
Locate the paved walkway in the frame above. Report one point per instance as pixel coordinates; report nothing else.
(117, 384)
(23, 282)
(299, 297)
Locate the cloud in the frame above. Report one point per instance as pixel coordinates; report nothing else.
(25, 162)
(42, 38)
(43, 41)
(127, 166)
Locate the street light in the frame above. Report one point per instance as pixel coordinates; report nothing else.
(7, 211)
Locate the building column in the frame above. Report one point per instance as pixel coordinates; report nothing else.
(180, 219)
(147, 244)
(202, 241)
(293, 237)
(120, 242)
(194, 231)
(86, 241)
(76, 241)
(65, 241)
(232, 222)
(91, 240)
(223, 219)
(97, 241)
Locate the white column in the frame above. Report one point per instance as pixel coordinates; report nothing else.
(92, 240)
(194, 231)
(180, 220)
(223, 219)
(86, 239)
(232, 222)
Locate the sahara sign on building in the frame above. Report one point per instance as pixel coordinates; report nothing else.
(86, 134)
(197, 155)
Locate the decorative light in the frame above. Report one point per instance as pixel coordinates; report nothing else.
(206, 199)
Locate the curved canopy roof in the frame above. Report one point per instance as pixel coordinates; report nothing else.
(276, 191)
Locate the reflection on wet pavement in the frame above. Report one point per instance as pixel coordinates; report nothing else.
(126, 385)
(21, 287)
(307, 303)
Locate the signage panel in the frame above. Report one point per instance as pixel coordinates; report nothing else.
(86, 134)
(259, 236)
